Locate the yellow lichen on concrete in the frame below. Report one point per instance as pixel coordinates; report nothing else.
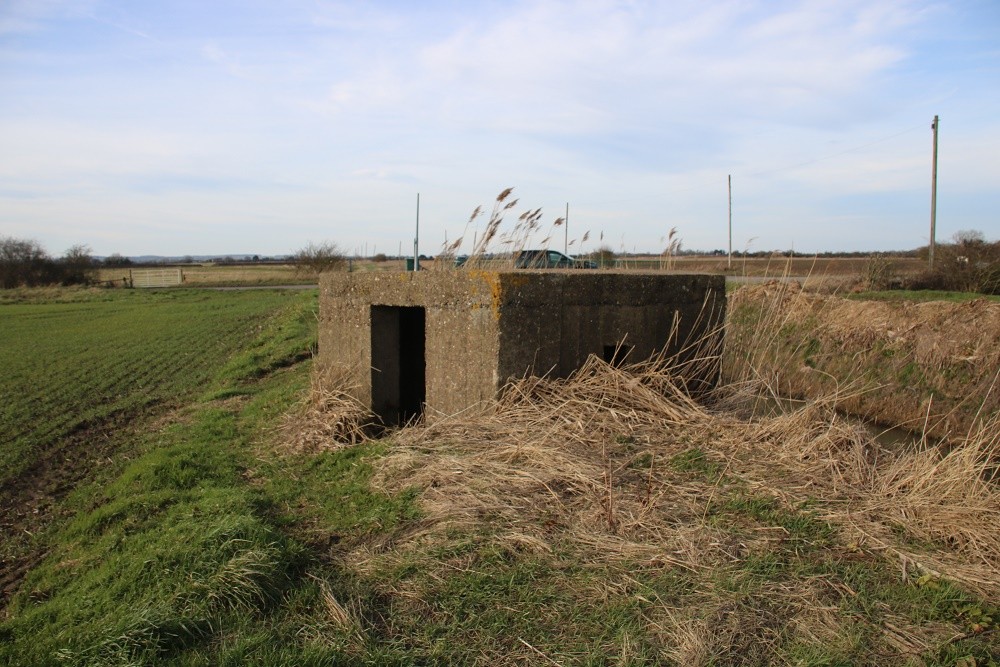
(492, 279)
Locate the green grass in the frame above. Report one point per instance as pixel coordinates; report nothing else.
(78, 368)
(184, 553)
(201, 542)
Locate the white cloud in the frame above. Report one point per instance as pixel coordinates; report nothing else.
(318, 118)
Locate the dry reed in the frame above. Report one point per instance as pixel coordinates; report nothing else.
(560, 459)
(497, 246)
(593, 461)
(329, 418)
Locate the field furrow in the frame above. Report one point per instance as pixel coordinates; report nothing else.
(80, 371)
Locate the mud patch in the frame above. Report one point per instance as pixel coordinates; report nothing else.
(32, 500)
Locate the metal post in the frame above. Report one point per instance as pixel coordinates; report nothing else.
(416, 239)
(729, 179)
(566, 231)
(930, 251)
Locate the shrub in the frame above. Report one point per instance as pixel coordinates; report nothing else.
(77, 266)
(989, 279)
(24, 262)
(604, 256)
(970, 264)
(878, 273)
(318, 258)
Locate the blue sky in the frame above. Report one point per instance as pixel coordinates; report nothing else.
(256, 127)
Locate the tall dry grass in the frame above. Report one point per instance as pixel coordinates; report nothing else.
(930, 503)
(556, 453)
(587, 459)
(329, 417)
(498, 243)
(929, 367)
(598, 467)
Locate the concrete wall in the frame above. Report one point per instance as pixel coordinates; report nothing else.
(484, 328)
(461, 332)
(550, 322)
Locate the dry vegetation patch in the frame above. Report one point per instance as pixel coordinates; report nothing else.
(560, 460)
(329, 416)
(775, 529)
(601, 459)
(932, 367)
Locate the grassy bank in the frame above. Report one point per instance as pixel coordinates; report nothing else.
(133, 528)
(604, 520)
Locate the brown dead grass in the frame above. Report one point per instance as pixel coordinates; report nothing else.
(930, 508)
(329, 418)
(553, 461)
(931, 367)
(588, 459)
(622, 468)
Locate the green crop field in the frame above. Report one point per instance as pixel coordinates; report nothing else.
(114, 412)
(158, 508)
(73, 369)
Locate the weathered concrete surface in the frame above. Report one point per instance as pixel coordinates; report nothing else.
(484, 328)
(551, 322)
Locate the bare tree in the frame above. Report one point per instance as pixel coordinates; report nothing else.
(23, 262)
(77, 265)
(969, 237)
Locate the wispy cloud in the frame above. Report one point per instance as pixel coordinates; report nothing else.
(31, 16)
(634, 111)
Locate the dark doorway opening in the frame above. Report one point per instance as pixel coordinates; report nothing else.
(398, 363)
(616, 355)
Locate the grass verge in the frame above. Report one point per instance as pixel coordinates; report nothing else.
(607, 519)
(177, 552)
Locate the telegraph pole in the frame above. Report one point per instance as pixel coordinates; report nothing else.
(729, 180)
(930, 252)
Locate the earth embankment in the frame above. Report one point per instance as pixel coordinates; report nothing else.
(931, 367)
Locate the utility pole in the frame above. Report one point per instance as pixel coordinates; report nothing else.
(930, 252)
(729, 180)
(566, 231)
(416, 239)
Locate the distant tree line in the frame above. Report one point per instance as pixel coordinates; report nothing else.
(117, 261)
(25, 263)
